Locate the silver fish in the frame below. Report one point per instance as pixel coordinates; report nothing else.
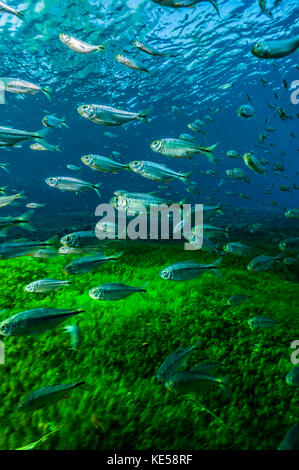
(97, 162)
(107, 116)
(79, 46)
(35, 321)
(46, 285)
(64, 183)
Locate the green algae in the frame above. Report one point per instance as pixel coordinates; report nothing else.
(124, 342)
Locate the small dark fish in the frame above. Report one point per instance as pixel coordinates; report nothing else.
(35, 321)
(291, 439)
(47, 396)
(292, 377)
(175, 361)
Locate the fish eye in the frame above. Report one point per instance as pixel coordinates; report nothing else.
(258, 45)
(4, 328)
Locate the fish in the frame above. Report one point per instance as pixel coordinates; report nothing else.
(175, 362)
(237, 299)
(45, 253)
(185, 3)
(289, 244)
(233, 154)
(74, 332)
(11, 137)
(73, 167)
(114, 291)
(46, 285)
(291, 439)
(193, 380)
(253, 163)
(9, 222)
(265, 9)
(45, 147)
(79, 46)
(158, 172)
(237, 248)
(246, 111)
(292, 377)
(110, 135)
(4, 167)
(99, 163)
(262, 322)
(143, 203)
(238, 174)
(54, 122)
(131, 63)
(90, 263)
(14, 249)
(65, 183)
(226, 86)
(151, 50)
(68, 250)
(263, 263)
(33, 445)
(7, 9)
(8, 200)
(16, 85)
(181, 148)
(107, 116)
(48, 396)
(275, 49)
(292, 214)
(34, 205)
(186, 270)
(35, 321)
(81, 239)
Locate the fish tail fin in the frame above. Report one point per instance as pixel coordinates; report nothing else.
(3, 189)
(143, 115)
(218, 273)
(3, 232)
(184, 200)
(64, 123)
(53, 240)
(144, 286)
(101, 47)
(5, 169)
(24, 219)
(226, 231)
(217, 262)
(47, 91)
(186, 176)
(21, 14)
(215, 5)
(41, 134)
(208, 151)
(196, 344)
(219, 208)
(117, 255)
(97, 188)
(57, 148)
(83, 385)
(223, 381)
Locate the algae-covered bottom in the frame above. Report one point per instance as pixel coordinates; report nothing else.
(124, 342)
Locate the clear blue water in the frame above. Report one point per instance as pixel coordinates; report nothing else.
(212, 51)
